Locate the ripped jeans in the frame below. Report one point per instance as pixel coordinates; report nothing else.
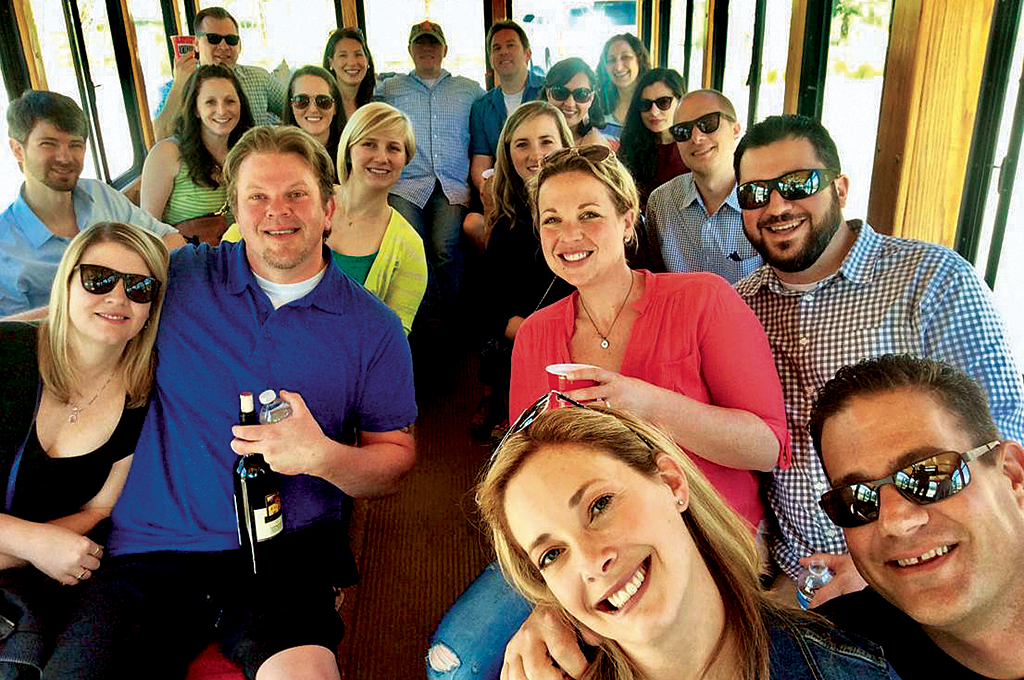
(469, 643)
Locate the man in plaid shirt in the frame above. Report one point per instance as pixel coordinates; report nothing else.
(833, 292)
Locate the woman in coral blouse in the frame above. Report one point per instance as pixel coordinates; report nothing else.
(682, 351)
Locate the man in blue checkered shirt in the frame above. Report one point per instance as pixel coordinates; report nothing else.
(433, 191)
(693, 221)
(834, 292)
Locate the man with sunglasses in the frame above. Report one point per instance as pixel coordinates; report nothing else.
(48, 134)
(433, 191)
(932, 506)
(833, 292)
(693, 220)
(218, 42)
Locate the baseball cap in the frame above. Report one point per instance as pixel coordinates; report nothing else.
(427, 27)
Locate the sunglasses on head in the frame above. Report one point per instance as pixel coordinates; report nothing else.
(708, 123)
(929, 480)
(100, 280)
(595, 153)
(322, 101)
(581, 94)
(552, 400)
(662, 103)
(792, 186)
(215, 38)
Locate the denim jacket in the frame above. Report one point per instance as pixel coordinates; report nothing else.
(816, 652)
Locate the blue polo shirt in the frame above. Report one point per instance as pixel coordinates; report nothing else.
(338, 346)
(488, 115)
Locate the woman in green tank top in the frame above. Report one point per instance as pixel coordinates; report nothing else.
(181, 178)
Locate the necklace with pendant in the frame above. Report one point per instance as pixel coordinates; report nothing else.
(74, 409)
(604, 336)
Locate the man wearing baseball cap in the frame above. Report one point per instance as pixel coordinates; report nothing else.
(433, 191)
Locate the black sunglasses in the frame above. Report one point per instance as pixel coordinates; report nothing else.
(792, 186)
(708, 123)
(581, 94)
(595, 153)
(929, 480)
(215, 38)
(662, 103)
(322, 101)
(100, 280)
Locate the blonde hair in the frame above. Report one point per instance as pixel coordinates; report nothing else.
(507, 187)
(56, 365)
(609, 171)
(370, 119)
(279, 139)
(723, 539)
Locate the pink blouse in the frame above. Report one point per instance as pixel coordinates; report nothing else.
(694, 336)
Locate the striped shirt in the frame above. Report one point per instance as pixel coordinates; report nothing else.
(891, 295)
(440, 120)
(189, 200)
(690, 240)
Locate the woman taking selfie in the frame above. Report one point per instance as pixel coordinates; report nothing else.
(602, 517)
(521, 282)
(75, 394)
(181, 179)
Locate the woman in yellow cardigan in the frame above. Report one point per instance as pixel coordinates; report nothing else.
(371, 242)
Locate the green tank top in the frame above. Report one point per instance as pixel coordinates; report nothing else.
(188, 199)
(356, 266)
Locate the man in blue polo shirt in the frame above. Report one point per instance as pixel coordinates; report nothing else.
(267, 312)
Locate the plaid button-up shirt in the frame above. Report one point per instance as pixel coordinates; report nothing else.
(891, 295)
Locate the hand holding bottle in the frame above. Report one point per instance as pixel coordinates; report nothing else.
(845, 577)
(293, 446)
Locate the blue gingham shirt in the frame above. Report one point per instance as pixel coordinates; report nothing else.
(891, 295)
(440, 120)
(262, 89)
(690, 240)
(30, 253)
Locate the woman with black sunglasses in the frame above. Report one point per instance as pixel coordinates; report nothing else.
(313, 104)
(648, 149)
(569, 87)
(181, 179)
(75, 393)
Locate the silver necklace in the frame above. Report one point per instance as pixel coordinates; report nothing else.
(74, 409)
(604, 336)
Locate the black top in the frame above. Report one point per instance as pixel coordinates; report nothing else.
(521, 281)
(907, 648)
(47, 488)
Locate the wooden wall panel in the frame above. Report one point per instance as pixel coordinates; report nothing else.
(709, 40)
(932, 80)
(138, 78)
(30, 44)
(349, 14)
(794, 60)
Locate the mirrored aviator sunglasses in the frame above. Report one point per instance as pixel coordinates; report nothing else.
(793, 186)
(580, 94)
(663, 103)
(100, 280)
(322, 101)
(927, 481)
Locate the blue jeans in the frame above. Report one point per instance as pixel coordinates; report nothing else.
(470, 640)
(439, 223)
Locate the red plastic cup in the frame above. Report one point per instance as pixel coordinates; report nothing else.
(558, 380)
(183, 44)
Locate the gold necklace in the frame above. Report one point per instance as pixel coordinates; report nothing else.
(604, 336)
(74, 409)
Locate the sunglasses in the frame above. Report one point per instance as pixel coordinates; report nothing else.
(595, 153)
(708, 123)
(552, 400)
(792, 186)
(662, 103)
(581, 94)
(927, 481)
(215, 38)
(100, 280)
(322, 101)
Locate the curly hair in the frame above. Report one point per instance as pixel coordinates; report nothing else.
(203, 169)
(606, 90)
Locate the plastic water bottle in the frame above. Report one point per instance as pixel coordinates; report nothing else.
(811, 578)
(274, 410)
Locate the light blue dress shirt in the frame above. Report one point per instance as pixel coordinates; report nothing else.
(440, 120)
(30, 253)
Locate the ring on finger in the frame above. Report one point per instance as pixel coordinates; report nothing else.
(82, 575)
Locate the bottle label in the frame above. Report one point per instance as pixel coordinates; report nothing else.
(269, 520)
